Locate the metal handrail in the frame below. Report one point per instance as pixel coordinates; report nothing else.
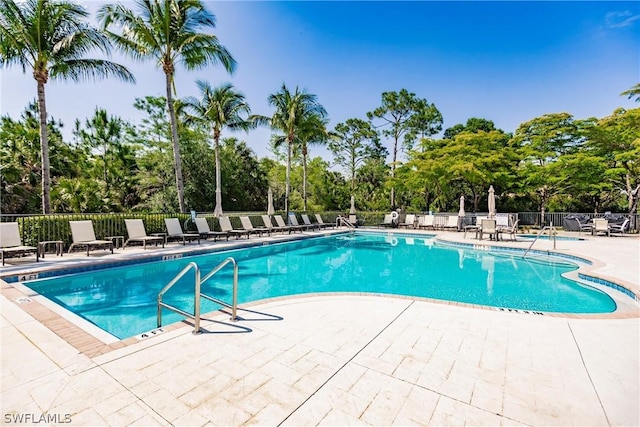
(234, 304)
(196, 299)
(341, 221)
(552, 230)
(197, 294)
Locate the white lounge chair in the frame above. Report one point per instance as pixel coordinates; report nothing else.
(137, 233)
(11, 243)
(281, 224)
(205, 231)
(83, 234)
(293, 221)
(488, 226)
(266, 219)
(426, 221)
(600, 225)
(387, 221)
(174, 232)
(452, 222)
(409, 221)
(511, 231)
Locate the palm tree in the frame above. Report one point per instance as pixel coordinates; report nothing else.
(51, 39)
(292, 111)
(218, 108)
(168, 31)
(634, 91)
(312, 132)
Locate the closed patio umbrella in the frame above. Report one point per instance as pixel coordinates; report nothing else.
(352, 211)
(492, 202)
(270, 208)
(461, 212)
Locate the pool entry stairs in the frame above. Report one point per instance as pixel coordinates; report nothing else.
(552, 233)
(198, 294)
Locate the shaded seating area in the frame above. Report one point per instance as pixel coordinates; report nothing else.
(83, 235)
(205, 231)
(11, 243)
(137, 233)
(174, 232)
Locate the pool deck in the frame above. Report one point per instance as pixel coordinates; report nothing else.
(336, 359)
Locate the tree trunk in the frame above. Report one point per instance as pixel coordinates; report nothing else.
(218, 208)
(304, 177)
(44, 150)
(177, 162)
(286, 189)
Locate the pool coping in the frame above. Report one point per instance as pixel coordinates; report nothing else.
(91, 346)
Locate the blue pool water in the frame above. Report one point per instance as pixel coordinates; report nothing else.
(122, 300)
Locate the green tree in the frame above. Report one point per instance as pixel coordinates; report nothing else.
(312, 132)
(634, 91)
(356, 141)
(51, 39)
(291, 112)
(168, 31)
(473, 124)
(245, 183)
(219, 108)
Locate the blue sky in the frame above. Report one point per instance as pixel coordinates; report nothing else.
(504, 61)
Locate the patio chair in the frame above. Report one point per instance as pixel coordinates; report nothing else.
(474, 227)
(225, 225)
(619, 228)
(266, 219)
(247, 225)
(409, 221)
(11, 243)
(205, 231)
(281, 224)
(426, 221)
(174, 232)
(452, 222)
(83, 234)
(137, 233)
(488, 226)
(387, 221)
(600, 225)
(511, 231)
(293, 221)
(583, 226)
(323, 224)
(306, 221)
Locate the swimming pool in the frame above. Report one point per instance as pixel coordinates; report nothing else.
(122, 300)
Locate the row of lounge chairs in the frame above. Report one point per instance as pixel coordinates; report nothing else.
(433, 222)
(83, 234)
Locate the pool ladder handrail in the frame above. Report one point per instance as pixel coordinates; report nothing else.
(198, 295)
(552, 232)
(340, 220)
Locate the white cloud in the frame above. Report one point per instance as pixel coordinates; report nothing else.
(621, 19)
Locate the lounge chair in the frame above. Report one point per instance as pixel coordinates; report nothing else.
(323, 224)
(511, 231)
(293, 221)
(247, 225)
(137, 233)
(83, 234)
(174, 232)
(600, 225)
(281, 224)
(306, 221)
(474, 227)
(426, 221)
(409, 221)
(619, 228)
(452, 222)
(387, 221)
(488, 226)
(225, 225)
(266, 219)
(11, 243)
(205, 231)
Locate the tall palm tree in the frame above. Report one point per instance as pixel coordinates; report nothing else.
(292, 110)
(170, 32)
(52, 39)
(312, 132)
(218, 108)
